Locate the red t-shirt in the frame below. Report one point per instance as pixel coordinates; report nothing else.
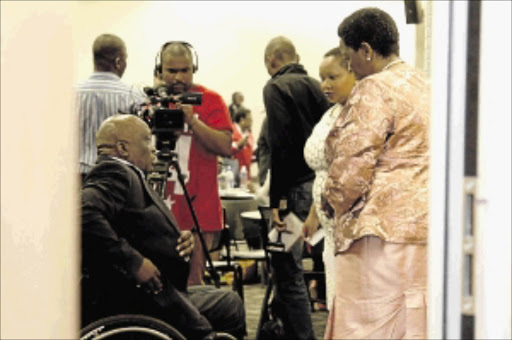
(244, 155)
(200, 168)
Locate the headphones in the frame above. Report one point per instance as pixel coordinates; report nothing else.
(158, 57)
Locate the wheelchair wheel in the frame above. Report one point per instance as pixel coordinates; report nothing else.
(129, 326)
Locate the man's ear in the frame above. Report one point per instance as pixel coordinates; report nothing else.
(117, 62)
(274, 63)
(122, 149)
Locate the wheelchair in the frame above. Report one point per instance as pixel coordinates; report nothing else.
(98, 322)
(129, 326)
(135, 327)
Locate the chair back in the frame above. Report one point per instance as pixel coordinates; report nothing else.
(266, 214)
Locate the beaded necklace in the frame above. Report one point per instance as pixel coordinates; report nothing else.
(394, 62)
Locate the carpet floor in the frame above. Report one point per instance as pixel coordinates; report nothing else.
(254, 295)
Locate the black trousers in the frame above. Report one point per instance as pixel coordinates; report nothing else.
(290, 289)
(222, 307)
(195, 314)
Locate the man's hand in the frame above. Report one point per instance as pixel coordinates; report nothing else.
(189, 113)
(185, 244)
(148, 277)
(277, 223)
(217, 142)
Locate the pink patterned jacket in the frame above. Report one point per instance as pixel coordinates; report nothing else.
(378, 155)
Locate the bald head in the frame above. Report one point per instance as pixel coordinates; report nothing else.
(281, 48)
(127, 137)
(176, 49)
(177, 67)
(109, 53)
(279, 52)
(116, 128)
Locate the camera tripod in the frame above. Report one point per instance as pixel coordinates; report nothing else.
(159, 177)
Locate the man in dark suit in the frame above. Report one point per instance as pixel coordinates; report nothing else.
(134, 256)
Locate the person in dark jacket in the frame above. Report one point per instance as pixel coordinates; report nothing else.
(294, 103)
(135, 258)
(237, 99)
(263, 152)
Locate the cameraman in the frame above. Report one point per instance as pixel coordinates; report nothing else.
(208, 136)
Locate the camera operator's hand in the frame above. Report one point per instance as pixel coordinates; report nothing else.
(185, 244)
(189, 113)
(148, 277)
(215, 141)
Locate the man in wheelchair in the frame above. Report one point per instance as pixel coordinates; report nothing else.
(134, 256)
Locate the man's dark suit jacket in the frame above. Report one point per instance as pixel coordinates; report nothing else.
(123, 221)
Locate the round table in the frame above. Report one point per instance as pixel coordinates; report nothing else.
(252, 228)
(235, 194)
(251, 215)
(237, 201)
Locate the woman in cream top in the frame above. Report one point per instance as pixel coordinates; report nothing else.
(336, 82)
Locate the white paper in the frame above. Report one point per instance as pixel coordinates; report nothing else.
(317, 237)
(294, 225)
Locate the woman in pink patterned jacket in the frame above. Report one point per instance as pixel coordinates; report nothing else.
(377, 188)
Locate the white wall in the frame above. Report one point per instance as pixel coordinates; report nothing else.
(493, 254)
(229, 37)
(39, 181)
(439, 138)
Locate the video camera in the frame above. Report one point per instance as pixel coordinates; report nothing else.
(166, 123)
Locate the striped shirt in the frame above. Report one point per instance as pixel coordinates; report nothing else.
(99, 97)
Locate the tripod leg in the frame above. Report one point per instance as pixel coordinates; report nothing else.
(214, 274)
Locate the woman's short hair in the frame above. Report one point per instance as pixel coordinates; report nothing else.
(337, 53)
(371, 25)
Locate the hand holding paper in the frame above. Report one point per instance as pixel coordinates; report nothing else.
(293, 232)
